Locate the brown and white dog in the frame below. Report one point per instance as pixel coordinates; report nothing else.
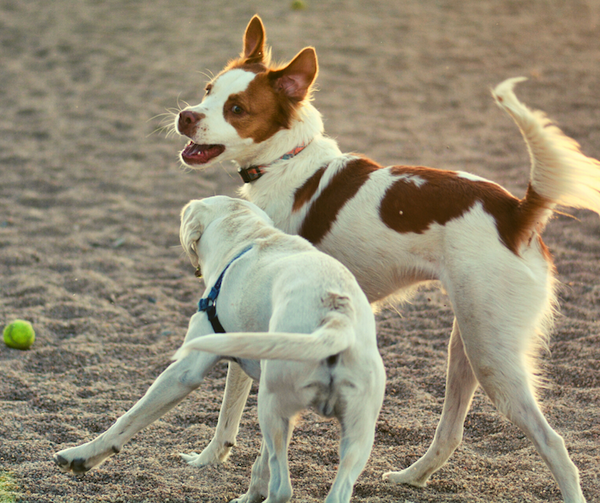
(398, 226)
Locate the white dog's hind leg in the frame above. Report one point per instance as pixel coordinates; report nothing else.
(236, 393)
(277, 430)
(460, 387)
(358, 434)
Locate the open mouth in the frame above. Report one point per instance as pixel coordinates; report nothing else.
(200, 154)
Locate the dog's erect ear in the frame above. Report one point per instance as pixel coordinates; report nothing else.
(296, 78)
(254, 41)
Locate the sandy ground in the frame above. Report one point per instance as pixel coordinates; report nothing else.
(90, 194)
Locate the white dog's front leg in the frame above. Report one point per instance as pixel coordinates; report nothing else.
(172, 386)
(236, 393)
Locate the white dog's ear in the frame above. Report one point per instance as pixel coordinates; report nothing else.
(296, 79)
(191, 230)
(254, 41)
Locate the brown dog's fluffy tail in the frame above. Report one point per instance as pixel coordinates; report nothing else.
(560, 173)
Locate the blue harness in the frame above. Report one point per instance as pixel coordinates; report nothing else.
(208, 303)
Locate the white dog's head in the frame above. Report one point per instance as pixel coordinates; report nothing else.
(246, 104)
(238, 218)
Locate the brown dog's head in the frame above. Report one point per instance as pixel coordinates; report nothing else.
(247, 104)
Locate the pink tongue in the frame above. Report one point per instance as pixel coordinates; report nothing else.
(201, 154)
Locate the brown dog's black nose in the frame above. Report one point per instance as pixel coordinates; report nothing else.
(188, 121)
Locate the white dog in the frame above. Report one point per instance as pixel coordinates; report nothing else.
(396, 227)
(318, 348)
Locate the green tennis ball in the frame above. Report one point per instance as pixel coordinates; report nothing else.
(298, 5)
(19, 335)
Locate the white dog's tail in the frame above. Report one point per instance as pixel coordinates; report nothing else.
(560, 173)
(335, 335)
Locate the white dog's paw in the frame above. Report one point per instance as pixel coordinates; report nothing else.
(193, 459)
(249, 498)
(214, 454)
(404, 477)
(81, 459)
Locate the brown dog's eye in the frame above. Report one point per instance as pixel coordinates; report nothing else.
(237, 110)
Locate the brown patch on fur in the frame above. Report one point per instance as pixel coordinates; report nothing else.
(546, 253)
(304, 194)
(272, 98)
(264, 112)
(342, 187)
(407, 207)
(525, 221)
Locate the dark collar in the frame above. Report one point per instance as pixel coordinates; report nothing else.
(252, 173)
(209, 304)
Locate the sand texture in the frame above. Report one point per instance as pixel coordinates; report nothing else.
(90, 195)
